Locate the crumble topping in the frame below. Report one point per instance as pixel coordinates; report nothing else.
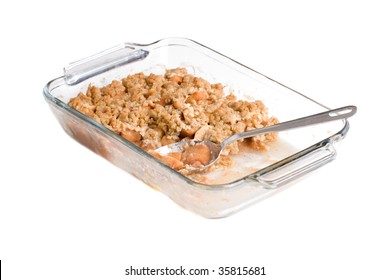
(156, 110)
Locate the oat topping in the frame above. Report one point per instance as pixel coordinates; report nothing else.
(155, 110)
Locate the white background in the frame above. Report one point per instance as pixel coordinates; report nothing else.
(66, 213)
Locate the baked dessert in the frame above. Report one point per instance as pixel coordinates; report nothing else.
(155, 110)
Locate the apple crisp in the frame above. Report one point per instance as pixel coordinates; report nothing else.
(155, 110)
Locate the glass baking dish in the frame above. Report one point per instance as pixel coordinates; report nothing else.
(254, 175)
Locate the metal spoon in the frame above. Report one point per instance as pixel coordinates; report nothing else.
(216, 149)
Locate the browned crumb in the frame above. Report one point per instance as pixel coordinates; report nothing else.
(155, 110)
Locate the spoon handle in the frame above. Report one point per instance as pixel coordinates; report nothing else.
(328, 116)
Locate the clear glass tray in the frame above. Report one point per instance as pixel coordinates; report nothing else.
(254, 176)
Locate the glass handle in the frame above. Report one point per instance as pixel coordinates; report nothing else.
(81, 70)
(291, 169)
